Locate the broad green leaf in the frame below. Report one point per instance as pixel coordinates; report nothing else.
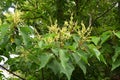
(66, 67)
(117, 53)
(55, 51)
(117, 34)
(76, 38)
(95, 39)
(76, 57)
(25, 35)
(64, 59)
(115, 64)
(94, 50)
(55, 66)
(83, 56)
(72, 47)
(4, 30)
(105, 36)
(44, 59)
(27, 30)
(40, 44)
(79, 61)
(97, 53)
(82, 66)
(103, 59)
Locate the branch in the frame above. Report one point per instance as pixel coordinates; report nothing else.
(12, 72)
(90, 20)
(101, 15)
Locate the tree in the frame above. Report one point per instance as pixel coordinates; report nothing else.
(60, 39)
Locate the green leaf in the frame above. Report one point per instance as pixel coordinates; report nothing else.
(25, 35)
(83, 56)
(117, 34)
(94, 50)
(103, 59)
(115, 64)
(76, 38)
(44, 59)
(55, 66)
(40, 44)
(117, 53)
(66, 67)
(80, 60)
(105, 36)
(95, 39)
(97, 53)
(55, 51)
(82, 66)
(4, 30)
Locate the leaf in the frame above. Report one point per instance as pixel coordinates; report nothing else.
(44, 59)
(97, 53)
(55, 51)
(79, 62)
(76, 38)
(82, 66)
(105, 36)
(66, 67)
(103, 59)
(3, 30)
(95, 39)
(117, 53)
(40, 44)
(117, 34)
(83, 56)
(115, 64)
(25, 35)
(55, 66)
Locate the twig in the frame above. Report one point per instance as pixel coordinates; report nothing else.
(90, 20)
(12, 72)
(42, 74)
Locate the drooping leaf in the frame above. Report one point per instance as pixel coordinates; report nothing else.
(105, 36)
(66, 67)
(115, 64)
(97, 53)
(79, 61)
(40, 44)
(76, 38)
(44, 59)
(55, 66)
(95, 39)
(3, 30)
(25, 35)
(82, 66)
(55, 51)
(117, 34)
(117, 53)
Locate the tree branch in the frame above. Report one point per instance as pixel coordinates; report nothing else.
(12, 72)
(101, 15)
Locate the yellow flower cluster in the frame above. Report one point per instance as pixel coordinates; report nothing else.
(84, 32)
(68, 29)
(14, 18)
(60, 34)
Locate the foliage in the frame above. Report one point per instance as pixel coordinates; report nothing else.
(60, 39)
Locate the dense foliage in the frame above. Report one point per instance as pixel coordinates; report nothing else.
(61, 39)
